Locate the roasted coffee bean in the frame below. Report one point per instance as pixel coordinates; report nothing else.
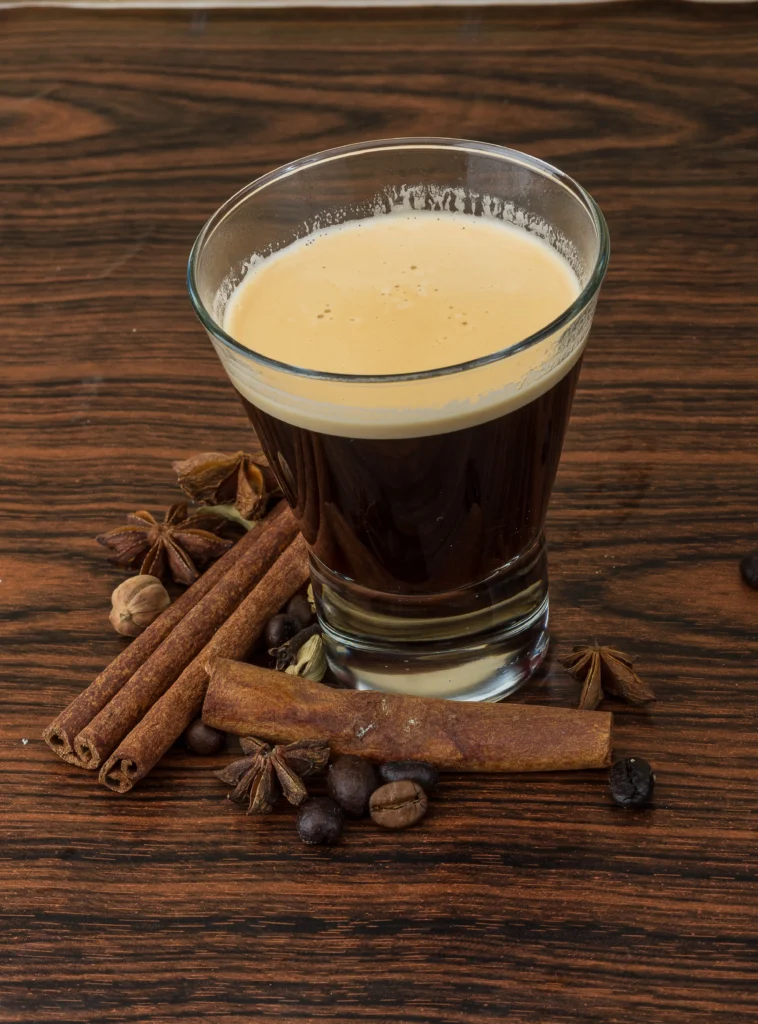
(319, 820)
(398, 804)
(299, 609)
(421, 772)
(350, 782)
(279, 629)
(201, 739)
(749, 570)
(632, 782)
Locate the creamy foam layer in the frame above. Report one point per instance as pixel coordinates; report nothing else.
(402, 293)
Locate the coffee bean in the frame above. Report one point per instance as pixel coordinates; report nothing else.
(350, 782)
(319, 820)
(421, 772)
(632, 782)
(279, 629)
(749, 570)
(201, 739)
(398, 804)
(298, 608)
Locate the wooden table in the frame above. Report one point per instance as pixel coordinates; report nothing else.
(527, 899)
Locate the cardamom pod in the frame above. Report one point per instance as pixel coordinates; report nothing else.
(311, 660)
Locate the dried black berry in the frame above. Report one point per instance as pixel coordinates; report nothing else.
(280, 629)
(319, 820)
(420, 772)
(202, 739)
(298, 608)
(350, 782)
(749, 570)
(632, 782)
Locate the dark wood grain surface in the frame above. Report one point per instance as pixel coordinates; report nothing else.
(527, 899)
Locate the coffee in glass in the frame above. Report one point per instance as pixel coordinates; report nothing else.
(404, 322)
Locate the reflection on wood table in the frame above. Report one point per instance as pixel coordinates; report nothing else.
(527, 899)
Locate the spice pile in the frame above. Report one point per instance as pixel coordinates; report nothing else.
(131, 714)
(394, 794)
(245, 568)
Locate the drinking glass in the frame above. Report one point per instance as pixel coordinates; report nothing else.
(422, 496)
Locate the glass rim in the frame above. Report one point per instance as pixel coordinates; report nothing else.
(340, 152)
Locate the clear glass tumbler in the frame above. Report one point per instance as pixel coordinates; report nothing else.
(422, 496)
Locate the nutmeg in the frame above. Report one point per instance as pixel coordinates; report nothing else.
(136, 603)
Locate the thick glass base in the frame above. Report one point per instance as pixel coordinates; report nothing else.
(478, 643)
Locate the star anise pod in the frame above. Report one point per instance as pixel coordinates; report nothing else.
(242, 480)
(173, 546)
(605, 669)
(260, 778)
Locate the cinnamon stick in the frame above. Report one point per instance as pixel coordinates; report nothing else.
(164, 723)
(100, 737)
(62, 731)
(453, 735)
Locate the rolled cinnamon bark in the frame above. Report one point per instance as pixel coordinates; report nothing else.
(63, 730)
(181, 703)
(100, 737)
(453, 735)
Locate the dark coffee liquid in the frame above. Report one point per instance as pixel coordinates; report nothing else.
(426, 514)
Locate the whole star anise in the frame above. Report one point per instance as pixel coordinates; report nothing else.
(173, 546)
(266, 772)
(605, 668)
(240, 479)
